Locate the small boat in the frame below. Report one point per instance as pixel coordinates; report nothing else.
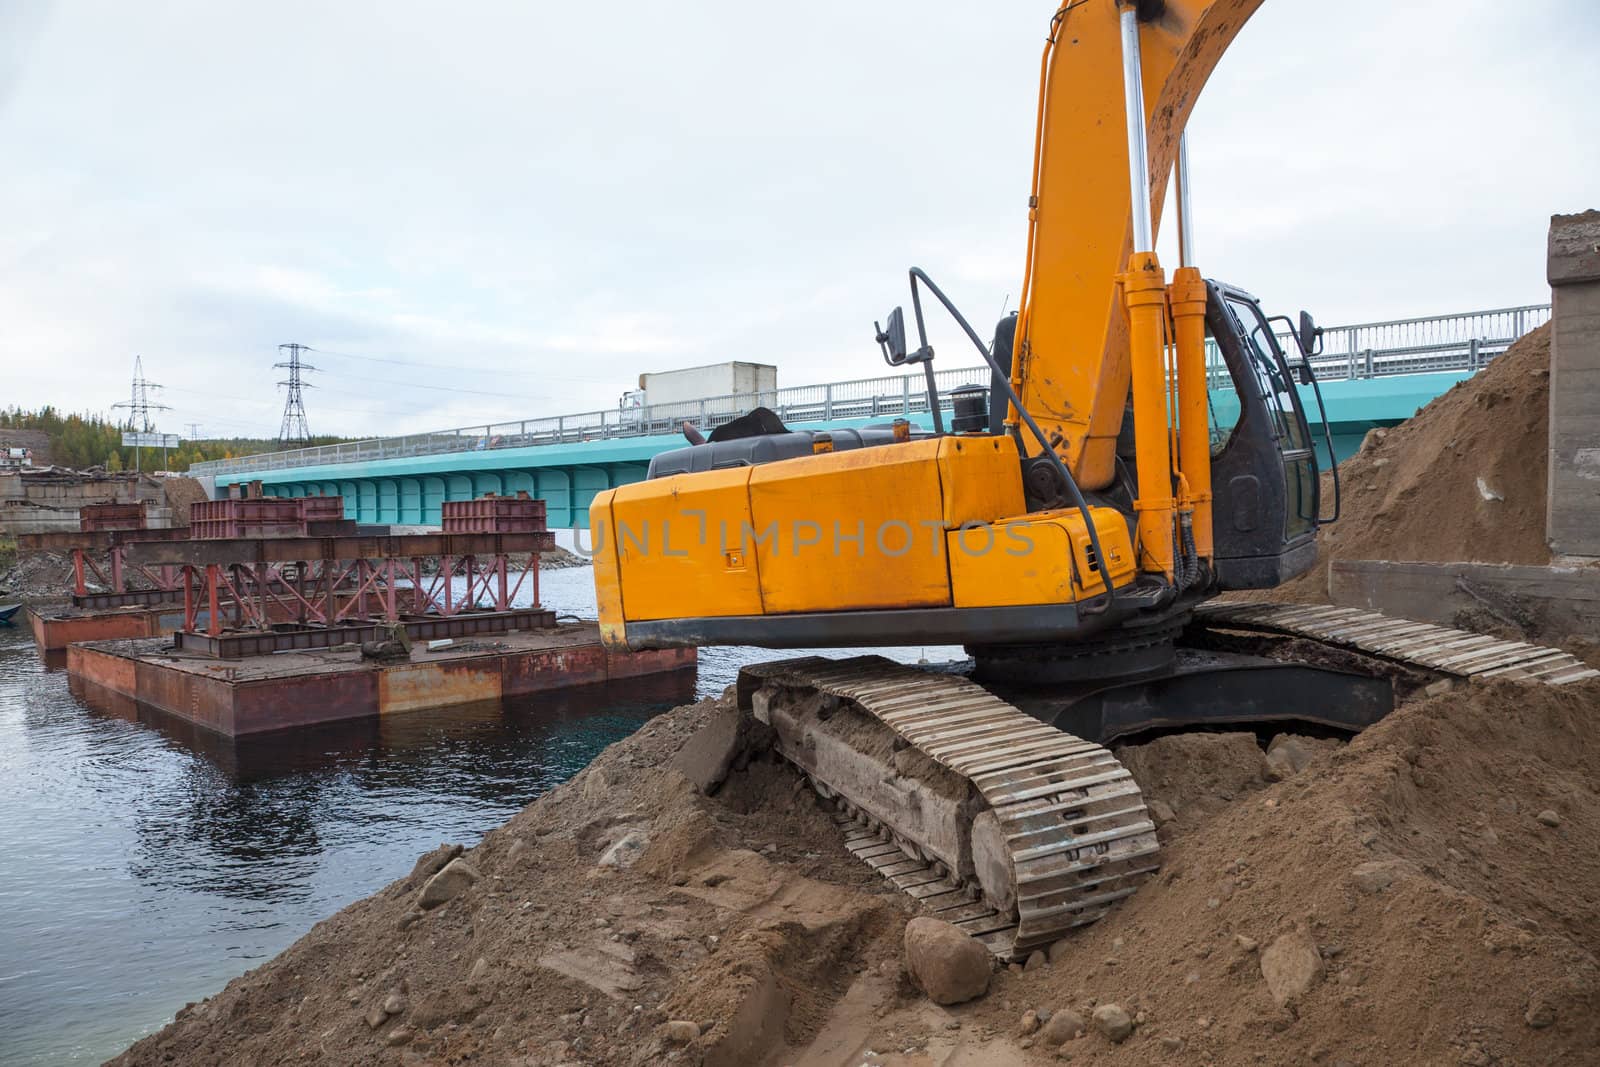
(6, 613)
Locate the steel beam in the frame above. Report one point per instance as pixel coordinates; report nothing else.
(296, 549)
(239, 645)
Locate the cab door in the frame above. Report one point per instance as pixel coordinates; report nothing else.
(1264, 467)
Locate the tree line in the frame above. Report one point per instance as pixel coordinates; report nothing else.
(92, 441)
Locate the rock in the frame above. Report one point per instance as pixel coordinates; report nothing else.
(1288, 755)
(455, 878)
(394, 1004)
(1058, 951)
(1376, 875)
(945, 962)
(1161, 812)
(410, 917)
(1540, 1014)
(400, 1035)
(1291, 965)
(430, 863)
(376, 1017)
(1035, 961)
(1113, 1022)
(1063, 1026)
(1550, 817)
(627, 849)
(680, 1031)
(1172, 1044)
(480, 967)
(1246, 944)
(1028, 1023)
(706, 757)
(519, 848)
(679, 878)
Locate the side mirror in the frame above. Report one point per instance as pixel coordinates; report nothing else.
(893, 340)
(1308, 334)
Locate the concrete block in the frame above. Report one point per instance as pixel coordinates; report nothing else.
(1543, 603)
(1572, 506)
(1574, 249)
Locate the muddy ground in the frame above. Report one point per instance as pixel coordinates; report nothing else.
(1442, 868)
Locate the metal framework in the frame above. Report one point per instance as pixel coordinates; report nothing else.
(294, 429)
(276, 593)
(139, 406)
(324, 585)
(333, 593)
(238, 645)
(1464, 341)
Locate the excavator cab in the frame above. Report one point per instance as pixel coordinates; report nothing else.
(1265, 470)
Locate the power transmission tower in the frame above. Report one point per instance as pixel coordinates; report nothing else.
(294, 430)
(140, 405)
(194, 431)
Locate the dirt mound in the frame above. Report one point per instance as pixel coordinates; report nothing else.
(39, 576)
(1443, 869)
(1464, 479)
(181, 492)
(620, 901)
(1429, 893)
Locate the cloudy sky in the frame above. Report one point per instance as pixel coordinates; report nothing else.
(483, 210)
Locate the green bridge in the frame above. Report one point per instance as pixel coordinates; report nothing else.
(1375, 374)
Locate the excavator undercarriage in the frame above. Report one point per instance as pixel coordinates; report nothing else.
(994, 815)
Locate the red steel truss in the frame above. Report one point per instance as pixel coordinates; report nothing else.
(334, 592)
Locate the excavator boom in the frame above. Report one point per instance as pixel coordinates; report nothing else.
(1073, 367)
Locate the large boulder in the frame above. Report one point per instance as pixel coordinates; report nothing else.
(1291, 965)
(1288, 754)
(627, 850)
(945, 962)
(455, 878)
(1063, 1026)
(1112, 1020)
(707, 757)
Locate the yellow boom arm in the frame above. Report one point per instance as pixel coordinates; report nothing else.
(1073, 364)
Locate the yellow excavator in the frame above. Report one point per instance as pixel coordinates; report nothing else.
(1142, 447)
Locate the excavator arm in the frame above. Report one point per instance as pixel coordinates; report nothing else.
(1073, 362)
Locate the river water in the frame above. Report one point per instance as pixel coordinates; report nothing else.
(143, 864)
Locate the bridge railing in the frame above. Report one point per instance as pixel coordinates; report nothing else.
(1365, 350)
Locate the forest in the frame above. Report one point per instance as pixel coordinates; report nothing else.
(82, 441)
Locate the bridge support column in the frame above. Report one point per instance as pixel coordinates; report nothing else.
(1572, 510)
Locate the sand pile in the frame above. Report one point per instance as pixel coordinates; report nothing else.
(181, 492)
(1462, 480)
(1429, 893)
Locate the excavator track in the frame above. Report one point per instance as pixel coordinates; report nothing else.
(1076, 834)
(1440, 649)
